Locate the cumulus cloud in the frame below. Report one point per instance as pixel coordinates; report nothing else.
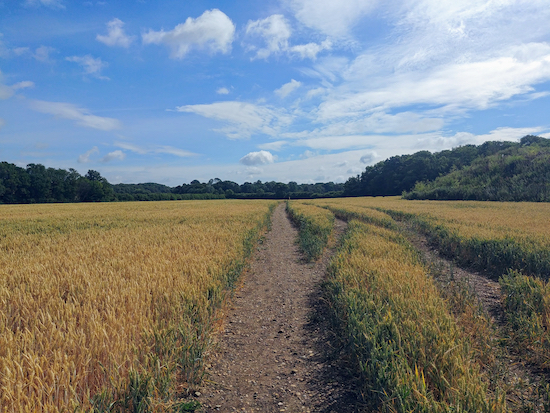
(155, 149)
(243, 119)
(85, 157)
(53, 4)
(82, 116)
(257, 158)
(115, 35)
(111, 156)
(275, 32)
(311, 50)
(288, 88)
(92, 66)
(222, 91)
(212, 31)
(335, 18)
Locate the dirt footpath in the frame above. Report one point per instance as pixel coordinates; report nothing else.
(275, 352)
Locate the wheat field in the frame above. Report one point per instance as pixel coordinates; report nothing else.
(106, 306)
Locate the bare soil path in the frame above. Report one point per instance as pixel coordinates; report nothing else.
(276, 352)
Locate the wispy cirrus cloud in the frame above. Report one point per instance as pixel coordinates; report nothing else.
(115, 35)
(85, 157)
(334, 18)
(92, 65)
(82, 116)
(273, 146)
(213, 31)
(288, 88)
(53, 4)
(157, 149)
(41, 54)
(7, 92)
(243, 119)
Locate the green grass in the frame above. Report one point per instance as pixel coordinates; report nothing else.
(527, 310)
(315, 227)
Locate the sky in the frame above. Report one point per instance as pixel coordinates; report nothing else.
(286, 90)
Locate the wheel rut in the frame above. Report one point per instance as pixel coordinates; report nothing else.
(276, 351)
(521, 380)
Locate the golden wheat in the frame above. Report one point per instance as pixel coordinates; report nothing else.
(89, 292)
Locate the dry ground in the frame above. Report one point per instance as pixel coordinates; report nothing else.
(276, 350)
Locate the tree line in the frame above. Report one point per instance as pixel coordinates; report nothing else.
(38, 184)
(399, 174)
(518, 173)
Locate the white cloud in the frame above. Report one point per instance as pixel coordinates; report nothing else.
(2, 123)
(335, 142)
(273, 146)
(458, 86)
(257, 158)
(23, 85)
(213, 31)
(42, 53)
(155, 149)
(335, 18)
(252, 171)
(111, 156)
(20, 51)
(115, 35)
(92, 66)
(54, 4)
(315, 92)
(7, 92)
(369, 158)
(85, 157)
(82, 116)
(222, 91)
(352, 130)
(275, 32)
(288, 88)
(244, 119)
(311, 50)
(174, 151)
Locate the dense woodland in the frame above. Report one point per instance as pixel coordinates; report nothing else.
(400, 173)
(519, 173)
(498, 171)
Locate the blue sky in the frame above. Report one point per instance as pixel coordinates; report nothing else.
(285, 90)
